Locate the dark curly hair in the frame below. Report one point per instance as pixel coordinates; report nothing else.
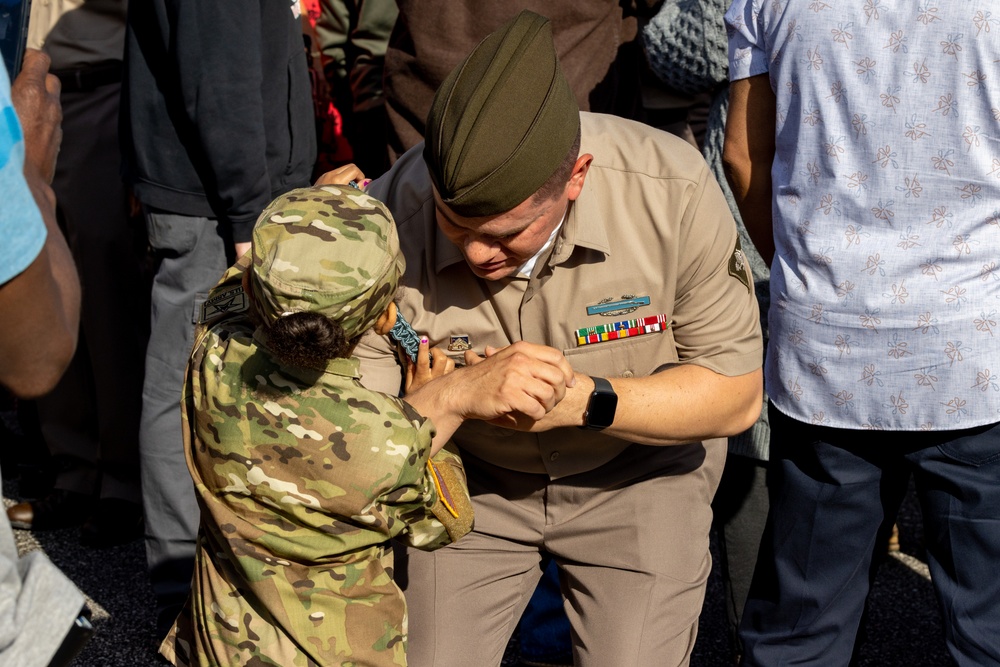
(308, 340)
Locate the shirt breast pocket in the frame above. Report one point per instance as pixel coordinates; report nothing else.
(638, 356)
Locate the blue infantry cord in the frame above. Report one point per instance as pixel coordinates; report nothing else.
(404, 334)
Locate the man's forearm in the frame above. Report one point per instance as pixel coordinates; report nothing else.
(64, 274)
(683, 404)
(42, 308)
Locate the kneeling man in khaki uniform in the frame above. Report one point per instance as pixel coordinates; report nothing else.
(522, 218)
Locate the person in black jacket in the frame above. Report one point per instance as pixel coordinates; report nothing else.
(216, 121)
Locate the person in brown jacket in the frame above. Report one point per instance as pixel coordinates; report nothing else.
(597, 42)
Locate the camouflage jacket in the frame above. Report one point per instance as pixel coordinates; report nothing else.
(302, 478)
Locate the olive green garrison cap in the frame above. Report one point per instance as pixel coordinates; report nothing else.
(330, 249)
(502, 122)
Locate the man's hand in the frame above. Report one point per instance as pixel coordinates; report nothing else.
(242, 248)
(35, 94)
(568, 412)
(524, 379)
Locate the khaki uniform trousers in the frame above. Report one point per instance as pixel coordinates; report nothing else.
(631, 542)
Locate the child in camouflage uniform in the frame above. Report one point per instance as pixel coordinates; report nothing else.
(303, 475)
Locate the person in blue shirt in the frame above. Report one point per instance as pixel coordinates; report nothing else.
(40, 307)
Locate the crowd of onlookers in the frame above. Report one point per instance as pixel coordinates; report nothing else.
(824, 217)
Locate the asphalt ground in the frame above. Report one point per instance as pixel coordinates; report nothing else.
(902, 629)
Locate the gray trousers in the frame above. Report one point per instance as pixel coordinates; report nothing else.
(192, 254)
(38, 604)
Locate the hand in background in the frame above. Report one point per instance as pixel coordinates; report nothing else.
(343, 176)
(35, 94)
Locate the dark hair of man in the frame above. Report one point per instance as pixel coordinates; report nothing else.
(556, 183)
(307, 340)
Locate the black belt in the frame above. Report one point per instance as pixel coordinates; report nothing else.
(89, 77)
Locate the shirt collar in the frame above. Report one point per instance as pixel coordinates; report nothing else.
(349, 367)
(529, 266)
(446, 252)
(584, 227)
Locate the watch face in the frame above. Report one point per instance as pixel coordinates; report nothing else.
(603, 403)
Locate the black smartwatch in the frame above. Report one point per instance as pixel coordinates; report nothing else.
(601, 408)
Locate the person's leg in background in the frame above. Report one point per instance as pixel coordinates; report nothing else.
(353, 37)
(544, 635)
(90, 421)
(834, 495)
(740, 509)
(192, 254)
(957, 484)
(114, 307)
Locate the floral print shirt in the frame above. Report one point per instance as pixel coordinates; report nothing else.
(886, 204)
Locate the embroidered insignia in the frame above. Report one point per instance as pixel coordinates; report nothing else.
(623, 329)
(738, 267)
(610, 307)
(443, 492)
(459, 343)
(231, 301)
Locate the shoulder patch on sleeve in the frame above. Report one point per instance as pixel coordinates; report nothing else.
(224, 301)
(738, 267)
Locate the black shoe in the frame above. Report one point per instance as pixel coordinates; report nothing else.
(59, 509)
(113, 522)
(34, 480)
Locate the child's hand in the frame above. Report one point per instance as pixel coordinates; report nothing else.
(423, 371)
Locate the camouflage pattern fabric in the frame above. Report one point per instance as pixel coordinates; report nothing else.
(302, 477)
(330, 249)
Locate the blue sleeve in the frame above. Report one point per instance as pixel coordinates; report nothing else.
(747, 48)
(22, 229)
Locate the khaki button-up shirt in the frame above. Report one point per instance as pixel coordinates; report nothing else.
(651, 224)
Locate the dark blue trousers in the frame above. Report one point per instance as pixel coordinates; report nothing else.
(834, 496)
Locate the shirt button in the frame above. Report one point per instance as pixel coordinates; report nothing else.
(554, 456)
(628, 374)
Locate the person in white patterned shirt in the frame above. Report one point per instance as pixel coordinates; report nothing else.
(863, 146)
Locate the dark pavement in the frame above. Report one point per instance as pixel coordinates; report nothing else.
(903, 627)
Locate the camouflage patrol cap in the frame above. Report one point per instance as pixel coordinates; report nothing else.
(328, 249)
(502, 122)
